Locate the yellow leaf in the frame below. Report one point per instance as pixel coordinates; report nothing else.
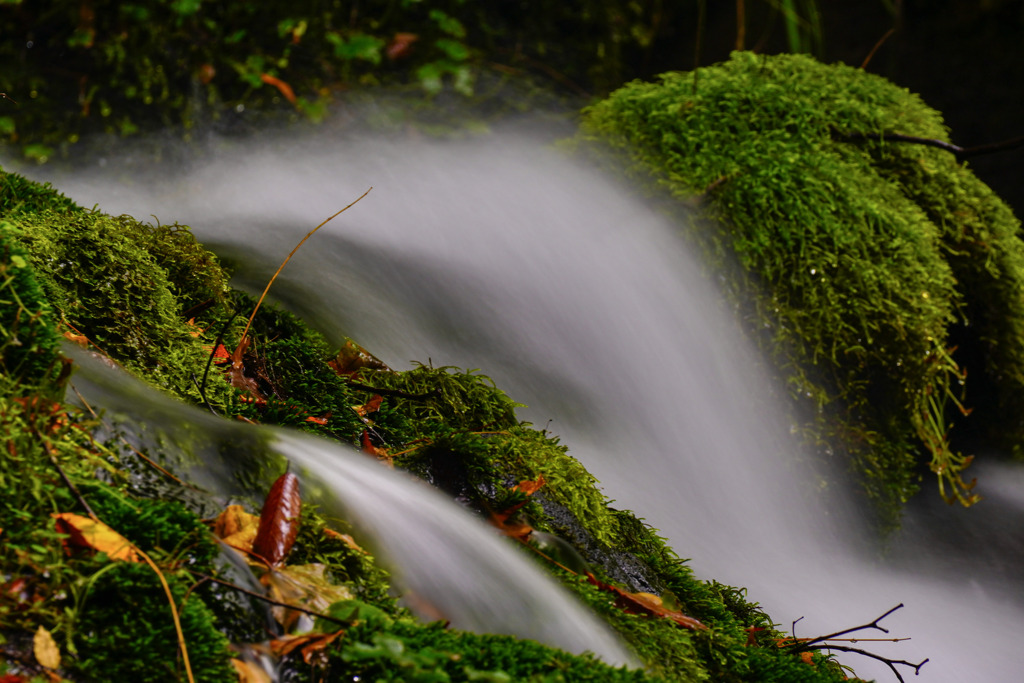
(46, 651)
(249, 672)
(89, 533)
(302, 585)
(236, 527)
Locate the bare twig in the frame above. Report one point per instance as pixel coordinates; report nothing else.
(960, 152)
(202, 395)
(891, 663)
(264, 598)
(881, 40)
(805, 645)
(392, 392)
(819, 643)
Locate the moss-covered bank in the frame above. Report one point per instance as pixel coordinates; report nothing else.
(152, 300)
(886, 279)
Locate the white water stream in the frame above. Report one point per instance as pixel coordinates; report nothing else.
(580, 301)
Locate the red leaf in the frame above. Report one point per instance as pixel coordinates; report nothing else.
(371, 406)
(319, 420)
(379, 453)
(400, 45)
(283, 87)
(279, 520)
(530, 487)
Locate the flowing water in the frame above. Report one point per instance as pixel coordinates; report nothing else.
(501, 254)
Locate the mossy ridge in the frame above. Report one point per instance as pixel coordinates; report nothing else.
(846, 251)
(423, 408)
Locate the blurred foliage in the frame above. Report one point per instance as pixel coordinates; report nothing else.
(74, 67)
(862, 259)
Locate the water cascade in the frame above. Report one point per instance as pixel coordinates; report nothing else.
(582, 302)
(449, 564)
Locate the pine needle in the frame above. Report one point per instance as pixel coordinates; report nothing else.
(285, 262)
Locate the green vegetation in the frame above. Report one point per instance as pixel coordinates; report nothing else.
(155, 302)
(868, 262)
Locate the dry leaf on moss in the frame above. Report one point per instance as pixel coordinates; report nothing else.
(85, 532)
(279, 520)
(45, 649)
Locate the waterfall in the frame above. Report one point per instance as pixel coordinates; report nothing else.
(582, 302)
(448, 564)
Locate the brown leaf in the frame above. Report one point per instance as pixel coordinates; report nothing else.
(645, 603)
(311, 643)
(85, 532)
(235, 372)
(379, 453)
(303, 585)
(530, 487)
(371, 406)
(279, 520)
(346, 539)
(249, 672)
(517, 530)
(400, 45)
(281, 86)
(352, 358)
(236, 527)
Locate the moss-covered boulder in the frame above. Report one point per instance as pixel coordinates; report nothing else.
(123, 284)
(880, 272)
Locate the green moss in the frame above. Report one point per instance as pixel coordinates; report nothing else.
(454, 428)
(860, 257)
(28, 338)
(125, 631)
(110, 279)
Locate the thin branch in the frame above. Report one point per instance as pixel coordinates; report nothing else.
(213, 352)
(960, 152)
(805, 645)
(881, 40)
(891, 663)
(271, 601)
(64, 476)
(392, 392)
(202, 395)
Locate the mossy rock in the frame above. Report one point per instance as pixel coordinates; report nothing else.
(116, 279)
(866, 260)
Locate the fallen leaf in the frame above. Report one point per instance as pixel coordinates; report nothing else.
(193, 329)
(279, 520)
(45, 649)
(304, 585)
(249, 672)
(79, 339)
(371, 406)
(501, 519)
(379, 453)
(400, 45)
(352, 358)
(282, 87)
(344, 538)
(310, 644)
(645, 603)
(236, 527)
(319, 420)
(89, 533)
(530, 487)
